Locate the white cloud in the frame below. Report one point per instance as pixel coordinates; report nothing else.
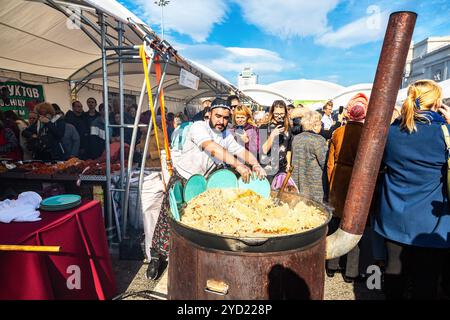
(194, 18)
(289, 18)
(333, 78)
(229, 61)
(364, 30)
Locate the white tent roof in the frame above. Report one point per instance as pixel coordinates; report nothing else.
(264, 95)
(319, 90)
(305, 89)
(445, 85)
(113, 8)
(348, 92)
(38, 38)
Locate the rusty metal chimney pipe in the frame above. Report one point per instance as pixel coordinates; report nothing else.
(373, 138)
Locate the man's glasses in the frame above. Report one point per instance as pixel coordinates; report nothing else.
(279, 114)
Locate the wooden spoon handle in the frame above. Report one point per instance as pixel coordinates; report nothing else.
(286, 180)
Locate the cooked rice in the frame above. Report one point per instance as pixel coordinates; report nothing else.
(243, 213)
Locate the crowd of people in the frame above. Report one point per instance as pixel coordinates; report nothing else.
(49, 134)
(409, 220)
(407, 232)
(227, 133)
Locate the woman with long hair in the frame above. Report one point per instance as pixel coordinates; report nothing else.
(276, 140)
(414, 215)
(245, 130)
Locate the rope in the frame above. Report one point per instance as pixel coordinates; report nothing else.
(143, 56)
(163, 118)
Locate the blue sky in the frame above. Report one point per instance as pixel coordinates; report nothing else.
(333, 40)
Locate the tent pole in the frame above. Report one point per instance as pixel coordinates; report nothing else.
(133, 144)
(147, 138)
(106, 105)
(122, 130)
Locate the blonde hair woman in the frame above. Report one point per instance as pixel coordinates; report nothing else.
(414, 213)
(309, 151)
(245, 130)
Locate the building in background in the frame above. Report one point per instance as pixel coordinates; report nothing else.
(428, 59)
(247, 78)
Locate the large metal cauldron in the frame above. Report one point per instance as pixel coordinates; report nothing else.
(286, 267)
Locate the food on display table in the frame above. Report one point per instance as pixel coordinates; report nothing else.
(35, 167)
(73, 166)
(244, 213)
(44, 169)
(95, 168)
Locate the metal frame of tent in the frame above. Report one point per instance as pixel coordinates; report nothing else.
(121, 37)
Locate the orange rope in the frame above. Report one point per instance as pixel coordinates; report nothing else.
(163, 117)
(143, 56)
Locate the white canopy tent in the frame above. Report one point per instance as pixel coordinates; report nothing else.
(66, 43)
(366, 88)
(445, 85)
(61, 40)
(347, 93)
(309, 92)
(306, 89)
(264, 95)
(317, 90)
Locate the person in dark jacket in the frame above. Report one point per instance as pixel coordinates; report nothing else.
(296, 121)
(15, 122)
(57, 109)
(10, 124)
(206, 103)
(341, 157)
(98, 135)
(47, 134)
(91, 114)
(8, 143)
(414, 215)
(71, 141)
(127, 132)
(78, 119)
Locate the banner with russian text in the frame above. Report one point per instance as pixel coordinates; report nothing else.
(20, 97)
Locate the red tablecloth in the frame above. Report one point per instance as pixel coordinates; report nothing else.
(81, 234)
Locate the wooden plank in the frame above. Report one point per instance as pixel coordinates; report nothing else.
(30, 248)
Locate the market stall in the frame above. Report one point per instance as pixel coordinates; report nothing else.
(85, 49)
(91, 48)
